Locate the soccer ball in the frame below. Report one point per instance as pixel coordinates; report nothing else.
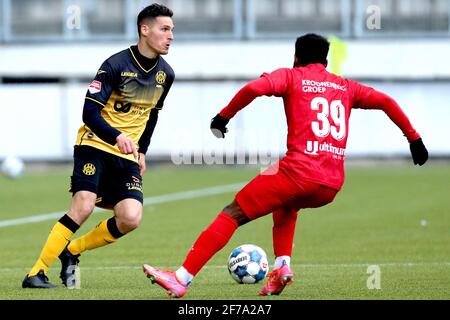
(248, 263)
(12, 167)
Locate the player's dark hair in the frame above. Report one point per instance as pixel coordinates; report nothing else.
(311, 48)
(151, 12)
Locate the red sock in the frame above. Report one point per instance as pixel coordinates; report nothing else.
(283, 231)
(211, 240)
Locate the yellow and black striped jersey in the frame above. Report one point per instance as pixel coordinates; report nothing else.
(124, 97)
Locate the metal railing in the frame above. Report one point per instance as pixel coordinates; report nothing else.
(98, 20)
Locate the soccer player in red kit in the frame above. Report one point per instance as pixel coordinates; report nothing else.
(317, 106)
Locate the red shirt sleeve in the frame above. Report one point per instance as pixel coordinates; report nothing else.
(280, 81)
(369, 98)
(247, 94)
(275, 83)
(359, 93)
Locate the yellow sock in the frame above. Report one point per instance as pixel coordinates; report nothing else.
(98, 237)
(56, 242)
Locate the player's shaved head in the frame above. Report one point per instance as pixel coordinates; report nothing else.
(311, 48)
(150, 12)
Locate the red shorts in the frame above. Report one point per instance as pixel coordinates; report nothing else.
(268, 192)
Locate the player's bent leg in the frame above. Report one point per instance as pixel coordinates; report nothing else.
(57, 240)
(83, 203)
(235, 212)
(104, 233)
(219, 232)
(214, 237)
(128, 214)
(210, 241)
(313, 196)
(283, 231)
(267, 193)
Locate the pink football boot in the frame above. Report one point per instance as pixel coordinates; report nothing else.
(166, 279)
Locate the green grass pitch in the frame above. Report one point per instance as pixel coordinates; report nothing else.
(395, 217)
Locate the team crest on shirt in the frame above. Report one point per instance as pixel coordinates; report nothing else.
(95, 87)
(161, 77)
(89, 169)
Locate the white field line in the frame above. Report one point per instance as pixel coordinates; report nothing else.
(306, 266)
(170, 197)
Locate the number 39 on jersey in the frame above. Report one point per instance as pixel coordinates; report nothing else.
(323, 126)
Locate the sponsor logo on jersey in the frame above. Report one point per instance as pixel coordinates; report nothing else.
(123, 107)
(313, 148)
(101, 71)
(89, 169)
(320, 86)
(135, 185)
(95, 87)
(161, 77)
(129, 74)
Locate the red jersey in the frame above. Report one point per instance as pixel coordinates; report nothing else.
(317, 106)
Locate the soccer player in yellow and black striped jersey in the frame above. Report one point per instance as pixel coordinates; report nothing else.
(120, 113)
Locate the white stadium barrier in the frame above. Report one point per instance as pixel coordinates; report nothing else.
(40, 121)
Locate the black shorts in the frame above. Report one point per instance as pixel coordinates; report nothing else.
(110, 177)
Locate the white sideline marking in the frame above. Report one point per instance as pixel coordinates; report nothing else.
(324, 265)
(184, 195)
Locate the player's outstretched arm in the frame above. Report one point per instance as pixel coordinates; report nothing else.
(243, 97)
(379, 100)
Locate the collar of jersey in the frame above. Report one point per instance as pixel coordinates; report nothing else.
(140, 66)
